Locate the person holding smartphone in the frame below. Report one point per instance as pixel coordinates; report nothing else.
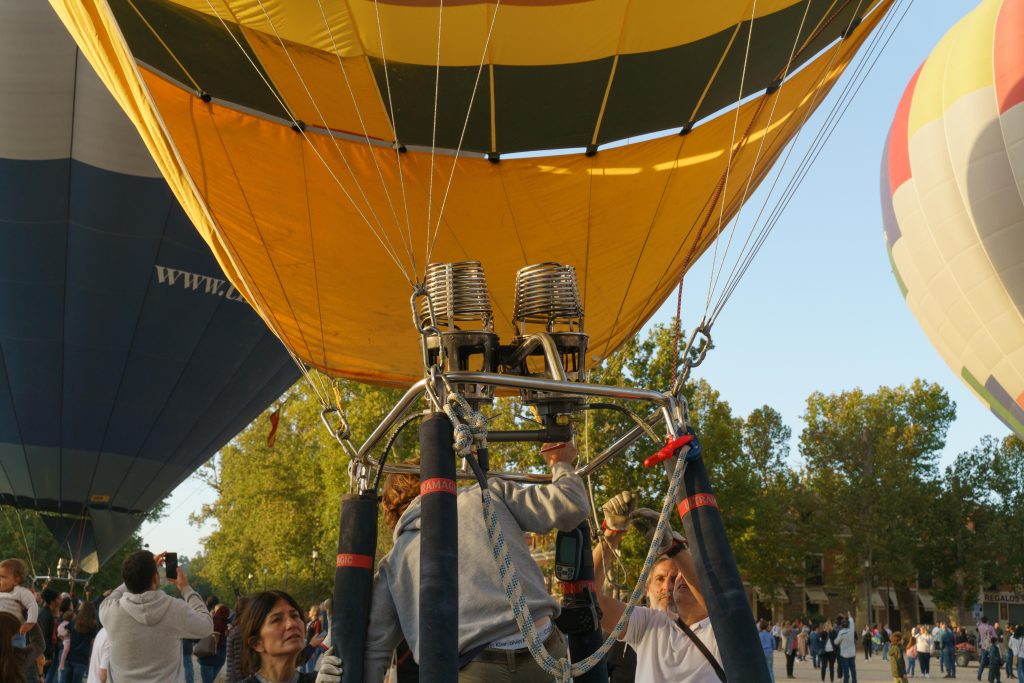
(146, 625)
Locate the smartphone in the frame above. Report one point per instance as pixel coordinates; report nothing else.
(171, 565)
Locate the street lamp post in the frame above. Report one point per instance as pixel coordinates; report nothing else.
(867, 591)
(265, 570)
(312, 591)
(248, 583)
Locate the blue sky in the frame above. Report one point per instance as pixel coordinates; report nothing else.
(819, 308)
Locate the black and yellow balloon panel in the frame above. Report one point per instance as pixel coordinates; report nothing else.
(276, 124)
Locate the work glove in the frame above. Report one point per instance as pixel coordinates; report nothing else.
(329, 668)
(646, 522)
(617, 510)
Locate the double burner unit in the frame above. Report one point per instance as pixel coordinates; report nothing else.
(458, 319)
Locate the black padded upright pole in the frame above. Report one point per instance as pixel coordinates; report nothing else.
(585, 639)
(439, 554)
(353, 580)
(731, 617)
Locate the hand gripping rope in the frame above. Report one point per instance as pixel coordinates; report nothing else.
(561, 669)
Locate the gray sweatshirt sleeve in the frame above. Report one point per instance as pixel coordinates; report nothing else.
(561, 505)
(196, 621)
(384, 633)
(110, 601)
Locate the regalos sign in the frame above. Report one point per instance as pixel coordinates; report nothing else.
(1004, 597)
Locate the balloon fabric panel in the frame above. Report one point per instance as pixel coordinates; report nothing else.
(522, 103)
(626, 218)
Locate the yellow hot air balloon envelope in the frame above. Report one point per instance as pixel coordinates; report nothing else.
(953, 200)
(327, 150)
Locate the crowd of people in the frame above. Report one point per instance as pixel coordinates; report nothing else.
(138, 633)
(831, 647)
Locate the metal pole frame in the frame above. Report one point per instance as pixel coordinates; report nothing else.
(669, 410)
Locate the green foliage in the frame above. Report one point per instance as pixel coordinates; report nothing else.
(869, 489)
(974, 533)
(871, 460)
(40, 550)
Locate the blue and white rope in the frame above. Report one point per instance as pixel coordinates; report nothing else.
(469, 425)
(561, 668)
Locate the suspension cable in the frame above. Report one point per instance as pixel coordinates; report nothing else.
(732, 142)
(394, 128)
(300, 128)
(462, 135)
(433, 133)
(334, 140)
(24, 536)
(406, 238)
(879, 42)
(713, 285)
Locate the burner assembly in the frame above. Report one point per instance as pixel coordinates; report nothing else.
(457, 320)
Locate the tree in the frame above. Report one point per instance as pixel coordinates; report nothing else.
(24, 534)
(773, 518)
(973, 534)
(872, 458)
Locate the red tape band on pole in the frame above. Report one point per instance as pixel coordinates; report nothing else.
(438, 485)
(697, 500)
(573, 587)
(357, 561)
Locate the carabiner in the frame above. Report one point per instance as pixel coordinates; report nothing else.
(342, 432)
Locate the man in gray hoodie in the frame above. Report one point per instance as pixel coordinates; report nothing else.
(146, 625)
(486, 623)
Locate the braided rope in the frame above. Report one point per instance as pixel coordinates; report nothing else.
(470, 425)
(561, 668)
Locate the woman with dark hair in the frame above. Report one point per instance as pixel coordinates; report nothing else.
(829, 651)
(13, 660)
(209, 666)
(83, 632)
(273, 636)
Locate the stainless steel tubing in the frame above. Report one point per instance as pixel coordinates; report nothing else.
(547, 294)
(544, 340)
(391, 419)
(567, 388)
(667, 409)
(458, 293)
(616, 447)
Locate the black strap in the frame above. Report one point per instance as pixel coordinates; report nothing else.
(703, 649)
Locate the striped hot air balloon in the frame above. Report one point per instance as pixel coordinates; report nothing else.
(953, 202)
(277, 124)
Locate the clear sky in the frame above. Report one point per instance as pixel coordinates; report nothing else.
(819, 309)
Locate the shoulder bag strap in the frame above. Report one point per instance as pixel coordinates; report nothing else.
(703, 649)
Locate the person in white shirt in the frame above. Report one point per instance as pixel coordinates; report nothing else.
(924, 650)
(99, 660)
(846, 641)
(1017, 647)
(667, 647)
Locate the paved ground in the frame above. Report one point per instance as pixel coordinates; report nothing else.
(873, 671)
